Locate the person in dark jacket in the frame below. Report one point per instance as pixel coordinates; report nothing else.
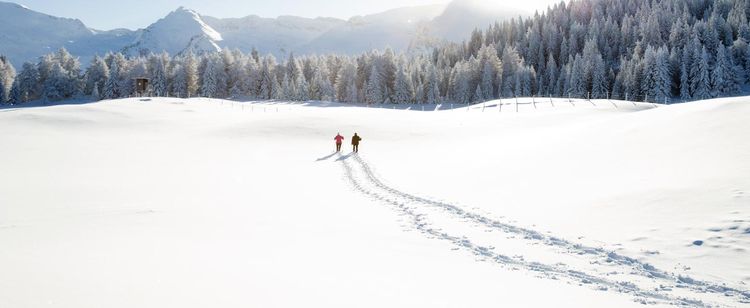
(355, 142)
(339, 139)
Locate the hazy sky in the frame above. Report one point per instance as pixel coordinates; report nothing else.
(133, 14)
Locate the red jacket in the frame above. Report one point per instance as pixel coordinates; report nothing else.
(339, 139)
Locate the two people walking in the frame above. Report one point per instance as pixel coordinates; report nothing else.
(355, 142)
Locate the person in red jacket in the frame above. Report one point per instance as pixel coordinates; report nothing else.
(355, 143)
(339, 139)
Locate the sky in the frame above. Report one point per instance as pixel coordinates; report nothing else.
(134, 14)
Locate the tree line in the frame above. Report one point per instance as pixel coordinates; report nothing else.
(638, 49)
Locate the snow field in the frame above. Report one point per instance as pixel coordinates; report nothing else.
(199, 202)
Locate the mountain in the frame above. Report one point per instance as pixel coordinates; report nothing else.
(27, 34)
(460, 17)
(276, 35)
(180, 31)
(395, 28)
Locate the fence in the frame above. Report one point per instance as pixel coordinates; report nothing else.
(503, 104)
(514, 104)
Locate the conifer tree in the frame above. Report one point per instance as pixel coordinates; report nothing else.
(111, 88)
(700, 81)
(404, 90)
(374, 88)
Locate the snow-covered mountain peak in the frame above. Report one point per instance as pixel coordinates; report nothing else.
(184, 18)
(172, 32)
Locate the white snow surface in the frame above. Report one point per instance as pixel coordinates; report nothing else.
(167, 202)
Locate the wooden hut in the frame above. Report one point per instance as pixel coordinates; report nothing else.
(141, 86)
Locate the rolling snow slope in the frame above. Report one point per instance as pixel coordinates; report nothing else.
(172, 202)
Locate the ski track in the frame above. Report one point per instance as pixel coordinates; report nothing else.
(591, 266)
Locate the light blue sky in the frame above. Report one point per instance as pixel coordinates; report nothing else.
(133, 14)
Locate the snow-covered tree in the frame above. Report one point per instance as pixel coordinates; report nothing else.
(302, 89)
(268, 82)
(96, 75)
(239, 74)
(478, 95)
(15, 97)
(157, 69)
(118, 80)
(388, 72)
(511, 62)
(320, 87)
(190, 67)
(95, 95)
(404, 90)
(685, 76)
(575, 48)
(700, 86)
(254, 77)
(7, 76)
(723, 78)
(460, 84)
(214, 77)
(346, 87)
(375, 93)
(657, 80)
(277, 92)
(68, 79)
(577, 80)
(288, 88)
(327, 92)
(179, 81)
(741, 58)
(550, 76)
(599, 78)
(488, 83)
(56, 86)
(28, 82)
(111, 86)
(431, 88)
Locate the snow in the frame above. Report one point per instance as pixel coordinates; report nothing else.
(203, 202)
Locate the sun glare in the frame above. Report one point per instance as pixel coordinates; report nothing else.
(526, 5)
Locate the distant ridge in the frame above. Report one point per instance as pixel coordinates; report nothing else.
(27, 34)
